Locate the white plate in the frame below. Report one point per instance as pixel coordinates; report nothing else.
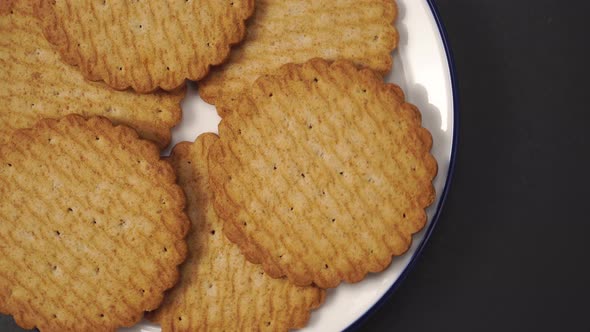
(422, 68)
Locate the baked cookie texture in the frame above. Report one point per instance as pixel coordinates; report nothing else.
(296, 31)
(92, 226)
(144, 44)
(322, 173)
(219, 289)
(35, 83)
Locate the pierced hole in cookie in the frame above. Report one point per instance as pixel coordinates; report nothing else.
(142, 291)
(291, 209)
(121, 222)
(94, 221)
(270, 94)
(179, 318)
(165, 249)
(54, 268)
(231, 3)
(213, 232)
(413, 168)
(303, 175)
(167, 68)
(189, 162)
(333, 219)
(159, 111)
(310, 126)
(97, 138)
(208, 44)
(32, 105)
(404, 215)
(364, 90)
(120, 68)
(326, 266)
(267, 323)
(315, 79)
(210, 286)
(274, 167)
(245, 224)
(141, 26)
(375, 37)
(101, 315)
(54, 316)
(57, 233)
(341, 173)
(97, 270)
(70, 210)
(9, 165)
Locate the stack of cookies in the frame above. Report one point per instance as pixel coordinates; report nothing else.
(320, 172)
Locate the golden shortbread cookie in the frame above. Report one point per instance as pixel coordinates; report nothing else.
(295, 31)
(92, 226)
(322, 173)
(219, 289)
(145, 44)
(36, 84)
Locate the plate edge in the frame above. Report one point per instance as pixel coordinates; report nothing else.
(455, 97)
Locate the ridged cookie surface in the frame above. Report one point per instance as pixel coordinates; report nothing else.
(295, 31)
(92, 226)
(219, 289)
(322, 173)
(145, 44)
(36, 84)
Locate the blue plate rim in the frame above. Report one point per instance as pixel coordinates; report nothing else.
(451, 63)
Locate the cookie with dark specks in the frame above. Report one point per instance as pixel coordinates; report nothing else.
(296, 31)
(145, 44)
(219, 290)
(322, 173)
(35, 83)
(92, 226)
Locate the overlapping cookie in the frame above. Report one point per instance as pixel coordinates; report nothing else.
(145, 44)
(322, 173)
(295, 31)
(219, 289)
(36, 84)
(92, 226)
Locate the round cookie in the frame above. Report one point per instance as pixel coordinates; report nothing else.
(322, 173)
(144, 44)
(296, 31)
(35, 83)
(92, 226)
(219, 290)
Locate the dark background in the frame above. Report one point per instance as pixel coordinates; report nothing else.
(511, 249)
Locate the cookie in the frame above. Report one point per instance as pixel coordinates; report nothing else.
(295, 31)
(219, 289)
(145, 44)
(322, 173)
(92, 226)
(36, 84)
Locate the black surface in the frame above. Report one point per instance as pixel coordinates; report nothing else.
(510, 252)
(511, 249)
